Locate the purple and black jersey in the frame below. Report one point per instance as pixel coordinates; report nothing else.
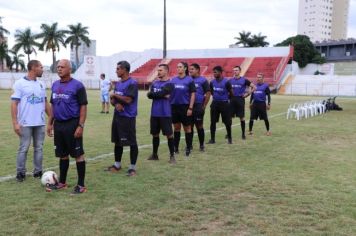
(259, 95)
(183, 87)
(220, 89)
(161, 106)
(66, 99)
(239, 86)
(202, 86)
(127, 88)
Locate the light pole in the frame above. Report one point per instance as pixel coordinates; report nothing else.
(164, 31)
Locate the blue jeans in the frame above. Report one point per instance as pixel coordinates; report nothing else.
(37, 133)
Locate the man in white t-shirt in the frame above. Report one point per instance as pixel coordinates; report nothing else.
(105, 86)
(28, 107)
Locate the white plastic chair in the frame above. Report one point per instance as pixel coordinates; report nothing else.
(293, 110)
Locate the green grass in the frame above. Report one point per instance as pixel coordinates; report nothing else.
(299, 181)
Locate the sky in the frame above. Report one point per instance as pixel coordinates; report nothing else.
(136, 25)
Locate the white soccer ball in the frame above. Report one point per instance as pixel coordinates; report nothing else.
(49, 177)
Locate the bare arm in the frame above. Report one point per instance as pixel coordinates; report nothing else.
(82, 117)
(206, 99)
(15, 124)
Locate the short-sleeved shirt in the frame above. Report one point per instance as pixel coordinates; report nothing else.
(183, 87)
(202, 86)
(31, 95)
(127, 88)
(105, 86)
(161, 107)
(67, 98)
(220, 89)
(239, 86)
(259, 95)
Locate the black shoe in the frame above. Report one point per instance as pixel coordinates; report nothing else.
(153, 157)
(202, 148)
(20, 177)
(187, 152)
(131, 172)
(229, 141)
(172, 160)
(107, 112)
(211, 141)
(243, 137)
(37, 175)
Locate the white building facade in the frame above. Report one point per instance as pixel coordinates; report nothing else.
(83, 50)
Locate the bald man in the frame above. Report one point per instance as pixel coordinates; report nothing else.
(66, 124)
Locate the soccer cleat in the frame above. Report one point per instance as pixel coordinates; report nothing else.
(243, 137)
(131, 172)
(20, 177)
(268, 133)
(37, 175)
(102, 112)
(187, 152)
(202, 148)
(78, 190)
(153, 157)
(229, 141)
(250, 132)
(211, 141)
(59, 186)
(172, 160)
(107, 112)
(113, 169)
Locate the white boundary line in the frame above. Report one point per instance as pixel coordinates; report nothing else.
(102, 156)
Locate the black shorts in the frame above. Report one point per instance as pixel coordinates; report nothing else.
(237, 107)
(220, 107)
(64, 142)
(179, 114)
(258, 110)
(123, 130)
(161, 123)
(198, 113)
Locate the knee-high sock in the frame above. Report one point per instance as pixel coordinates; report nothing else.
(81, 172)
(133, 154)
(228, 130)
(243, 125)
(212, 130)
(267, 124)
(250, 125)
(171, 146)
(176, 140)
(201, 136)
(118, 153)
(155, 144)
(189, 139)
(63, 170)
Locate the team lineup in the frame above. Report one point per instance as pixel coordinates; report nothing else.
(176, 102)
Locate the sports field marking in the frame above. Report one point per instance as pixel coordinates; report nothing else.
(102, 156)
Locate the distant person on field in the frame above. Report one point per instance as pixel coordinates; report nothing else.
(105, 86)
(66, 124)
(123, 130)
(161, 114)
(258, 103)
(28, 107)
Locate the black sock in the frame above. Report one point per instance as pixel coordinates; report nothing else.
(118, 152)
(243, 125)
(201, 136)
(133, 154)
(250, 125)
(189, 140)
(228, 131)
(63, 170)
(267, 124)
(176, 140)
(212, 130)
(155, 144)
(81, 172)
(171, 146)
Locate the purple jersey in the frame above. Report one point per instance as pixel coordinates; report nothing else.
(220, 89)
(259, 95)
(161, 106)
(66, 99)
(239, 85)
(127, 88)
(183, 87)
(202, 86)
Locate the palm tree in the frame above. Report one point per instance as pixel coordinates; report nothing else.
(76, 35)
(17, 61)
(26, 40)
(244, 39)
(259, 41)
(4, 55)
(52, 38)
(3, 31)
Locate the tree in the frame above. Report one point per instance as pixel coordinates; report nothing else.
(76, 35)
(17, 61)
(3, 31)
(247, 40)
(4, 55)
(304, 50)
(25, 40)
(52, 38)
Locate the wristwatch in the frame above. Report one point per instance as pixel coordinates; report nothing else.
(81, 125)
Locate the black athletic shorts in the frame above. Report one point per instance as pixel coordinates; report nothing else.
(123, 130)
(258, 110)
(237, 107)
(220, 107)
(198, 113)
(161, 123)
(64, 142)
(179, 114)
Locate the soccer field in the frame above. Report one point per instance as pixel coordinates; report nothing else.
(299, 181)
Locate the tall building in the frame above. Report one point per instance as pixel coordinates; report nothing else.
(83, 50)
(323, 19)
